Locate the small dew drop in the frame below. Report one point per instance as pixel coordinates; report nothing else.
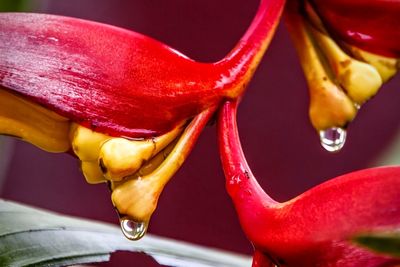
(333, 139)
(357, 106)
(133, 230)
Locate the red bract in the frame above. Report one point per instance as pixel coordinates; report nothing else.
(315, 228)
(118, 81)
(372, 25)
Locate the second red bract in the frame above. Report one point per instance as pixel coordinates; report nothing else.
(316, 228)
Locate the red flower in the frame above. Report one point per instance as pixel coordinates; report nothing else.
(121, 87)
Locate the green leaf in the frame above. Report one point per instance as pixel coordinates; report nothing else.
(34, 237)
(387, 243)
(14, 5)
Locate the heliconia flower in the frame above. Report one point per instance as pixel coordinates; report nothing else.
(318, 227)
(347, 49)
(129, 107)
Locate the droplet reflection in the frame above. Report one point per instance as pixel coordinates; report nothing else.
(333, 139)
(133, 230)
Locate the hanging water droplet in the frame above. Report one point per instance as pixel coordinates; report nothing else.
(133, 230)
(333, 139)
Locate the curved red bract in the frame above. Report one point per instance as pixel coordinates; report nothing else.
(117, 81)
(121, 82)
(315, 228)
(372, 25)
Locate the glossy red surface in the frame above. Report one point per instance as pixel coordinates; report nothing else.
(315, 228)
(372, 25)
(118, 81)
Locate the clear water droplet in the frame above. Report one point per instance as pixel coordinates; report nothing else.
(333, 139)
(133, 230)
(357, 106)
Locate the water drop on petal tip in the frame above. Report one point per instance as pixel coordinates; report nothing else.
(333, 139)
(133, 230)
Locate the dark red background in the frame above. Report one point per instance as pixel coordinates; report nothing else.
(281, 146)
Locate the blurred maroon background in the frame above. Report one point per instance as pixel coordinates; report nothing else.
(281, 146)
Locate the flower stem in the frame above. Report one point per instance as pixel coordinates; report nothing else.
(247, 195)
(239, 65)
